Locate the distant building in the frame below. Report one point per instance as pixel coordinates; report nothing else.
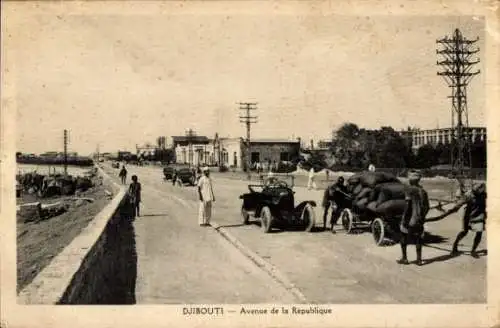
(444, 136)
(191, 149)
(232, 152)
(324, 144)
(145, 150)
(50, 154)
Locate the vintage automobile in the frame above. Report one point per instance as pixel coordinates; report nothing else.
(168, 172)
(185, 175)
(274, 206)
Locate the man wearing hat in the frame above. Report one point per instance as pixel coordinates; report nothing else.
(206, 195)
(474, 217)
(412, 223)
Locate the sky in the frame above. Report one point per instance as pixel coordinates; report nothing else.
(118, 81)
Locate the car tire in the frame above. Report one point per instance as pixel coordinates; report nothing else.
(266, 219)
(378, 231)
(244, 215)
(347, 219)
(308, 218)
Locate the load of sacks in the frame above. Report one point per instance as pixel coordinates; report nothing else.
(378, 192)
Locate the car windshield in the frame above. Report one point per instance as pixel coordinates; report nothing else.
(273, 182)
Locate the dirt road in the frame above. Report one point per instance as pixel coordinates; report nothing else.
(181, 262)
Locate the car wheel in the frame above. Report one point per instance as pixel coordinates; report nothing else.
(308, 217)
(378, 231)
(244, 215)
(266, 219)
(347, 220)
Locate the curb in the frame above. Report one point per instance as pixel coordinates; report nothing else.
(260, 262)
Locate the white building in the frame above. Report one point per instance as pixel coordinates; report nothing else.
(231, 152)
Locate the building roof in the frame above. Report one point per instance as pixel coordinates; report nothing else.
(274, 141)
(442, 129)
(186, 139)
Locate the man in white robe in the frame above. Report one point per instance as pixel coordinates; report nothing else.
(206, 196)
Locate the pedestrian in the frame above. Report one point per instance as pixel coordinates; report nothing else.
(206, 196)
(174, 177)
(134, 192)
(338, 203)
(474, 217)
(123, 174)
(311, 184)
(327, 203)
(412, 223)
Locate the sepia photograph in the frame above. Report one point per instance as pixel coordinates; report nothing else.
(246, 164)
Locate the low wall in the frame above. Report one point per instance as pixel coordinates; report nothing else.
(97, 267)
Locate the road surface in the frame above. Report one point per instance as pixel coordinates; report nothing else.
(180, 262)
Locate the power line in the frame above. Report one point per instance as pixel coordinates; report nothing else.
(456, 63)
(248, 120)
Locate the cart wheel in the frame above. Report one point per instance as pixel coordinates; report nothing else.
(347, 220)
(244, 214)
(266, 219)
(378, 231)
(308, 217)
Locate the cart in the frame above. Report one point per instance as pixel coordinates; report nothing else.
(383, 229)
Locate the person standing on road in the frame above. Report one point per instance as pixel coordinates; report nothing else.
(412, 223)
(311, 184)
(123, 175)
(206, 196)
(134, 192)
(474, 217)
(340, 199)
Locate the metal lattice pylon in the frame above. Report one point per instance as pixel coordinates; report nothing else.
(456, 53)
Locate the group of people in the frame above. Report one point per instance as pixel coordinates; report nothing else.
(205, 194)
(414, 218)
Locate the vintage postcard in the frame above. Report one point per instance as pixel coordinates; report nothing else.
(249, 163)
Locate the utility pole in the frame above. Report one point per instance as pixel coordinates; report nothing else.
(248, 120)
(190, 134)
(455, 54)
(65, 153)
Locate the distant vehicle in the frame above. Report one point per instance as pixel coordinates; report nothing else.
(185, 175)
(168, 172)
(274, 206)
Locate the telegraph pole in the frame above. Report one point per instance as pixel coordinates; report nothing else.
(248, 120)
(65, 153)
(456, 63)
(190, 133)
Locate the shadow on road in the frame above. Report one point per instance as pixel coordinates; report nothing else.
(109, 271)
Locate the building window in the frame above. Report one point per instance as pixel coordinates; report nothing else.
(284, 156)
(255, 157)
(235, 159)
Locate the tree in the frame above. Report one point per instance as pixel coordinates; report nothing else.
(345, 144)
(426, 156)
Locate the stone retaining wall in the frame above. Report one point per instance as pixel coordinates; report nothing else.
(97, 267)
